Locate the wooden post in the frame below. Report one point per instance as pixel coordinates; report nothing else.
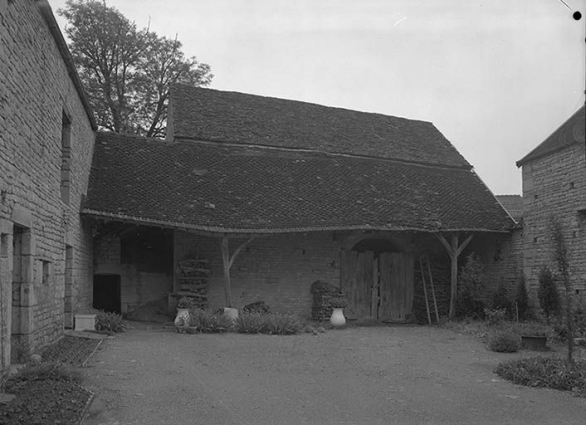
(454, 252)
(227, 262)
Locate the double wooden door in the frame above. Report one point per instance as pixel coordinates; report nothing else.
(378, 285)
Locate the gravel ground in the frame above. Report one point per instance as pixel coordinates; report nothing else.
(378, 375)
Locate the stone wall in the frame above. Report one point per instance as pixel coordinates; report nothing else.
(555, 185)
(278, 270)
(40, 292)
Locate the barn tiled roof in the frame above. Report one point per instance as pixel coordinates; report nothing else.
(213, 115)
(513, 204)
(233, 188)
(570, 132)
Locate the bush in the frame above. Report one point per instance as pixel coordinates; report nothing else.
(471, 289)
(284, 324)
(549, 298)
(500, 298)
(550, 372)
(522, 299)
(50, 371)
(495, 317)
(205, 321)
(256, 307)
(109, 322)
(272, 323)
(504, 342)
(250, 323)
(185, 302)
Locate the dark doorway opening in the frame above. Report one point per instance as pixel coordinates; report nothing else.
(107, 292)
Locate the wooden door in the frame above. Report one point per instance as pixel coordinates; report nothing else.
(396, 286)
(356, 279)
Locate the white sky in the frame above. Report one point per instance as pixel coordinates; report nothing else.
(496, 77)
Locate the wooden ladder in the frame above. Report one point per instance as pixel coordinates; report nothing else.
(425, 259)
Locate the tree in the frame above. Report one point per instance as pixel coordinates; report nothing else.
(547, 292)
(125, 71)
(561, 258)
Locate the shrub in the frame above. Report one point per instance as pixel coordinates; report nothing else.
(109, 322)
(522, 299)
(207, 322)
(500, 298)
(495, 317)
(504, 342)
(339, 302)
(471, 289)
(256, 307)
(550, 372)
(549, 298)
(284, 324)
(50, 371)
(273, 323)
(250, 323)
(185, 302)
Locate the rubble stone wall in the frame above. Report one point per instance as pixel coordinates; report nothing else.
(35, 93)
(555, 185)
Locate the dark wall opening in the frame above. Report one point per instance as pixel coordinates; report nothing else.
(148, 249)
(107, 293)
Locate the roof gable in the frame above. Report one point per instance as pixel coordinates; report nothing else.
(570, 132)
(238, 189)
(212, 115)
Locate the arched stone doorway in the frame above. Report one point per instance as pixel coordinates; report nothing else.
(377, 277)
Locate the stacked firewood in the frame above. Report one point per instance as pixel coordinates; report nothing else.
(193, 277)
(323, 295)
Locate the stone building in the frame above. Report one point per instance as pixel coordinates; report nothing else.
(267, 195)
(46, 145)
(554, 185)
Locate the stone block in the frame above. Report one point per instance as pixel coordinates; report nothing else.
(85, 322)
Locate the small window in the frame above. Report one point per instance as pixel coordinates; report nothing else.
(46, 278)
(65, 158)
(4, 245)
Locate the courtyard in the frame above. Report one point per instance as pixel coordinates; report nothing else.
(366, 375)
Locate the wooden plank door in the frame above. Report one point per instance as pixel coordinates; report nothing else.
(356, 280)
(396, 286)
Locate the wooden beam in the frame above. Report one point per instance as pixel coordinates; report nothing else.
(240, 248)
(444, 243)
(227, 262)
(464, 245)
(453, 276)
(454, 252)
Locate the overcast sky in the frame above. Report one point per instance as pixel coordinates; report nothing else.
(496, 77)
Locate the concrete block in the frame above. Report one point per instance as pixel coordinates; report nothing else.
(85, 322)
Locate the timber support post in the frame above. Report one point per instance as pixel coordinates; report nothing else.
(227, 262)
(454, 252)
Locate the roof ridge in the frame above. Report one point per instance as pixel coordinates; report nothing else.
(321, 105)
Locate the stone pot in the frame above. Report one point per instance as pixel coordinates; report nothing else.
(338, 318)
(232, 313)
(182, 318)
(534, 342)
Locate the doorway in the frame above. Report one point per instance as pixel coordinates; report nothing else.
(107, 293)
(378, 281)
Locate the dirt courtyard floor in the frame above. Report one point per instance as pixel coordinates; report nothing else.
(374, 375)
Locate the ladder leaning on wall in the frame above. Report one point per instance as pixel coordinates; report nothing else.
(425, 259)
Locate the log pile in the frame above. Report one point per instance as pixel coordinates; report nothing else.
(323, 295)
(192, 280)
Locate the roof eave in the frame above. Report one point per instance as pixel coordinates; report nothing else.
(217, 230)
